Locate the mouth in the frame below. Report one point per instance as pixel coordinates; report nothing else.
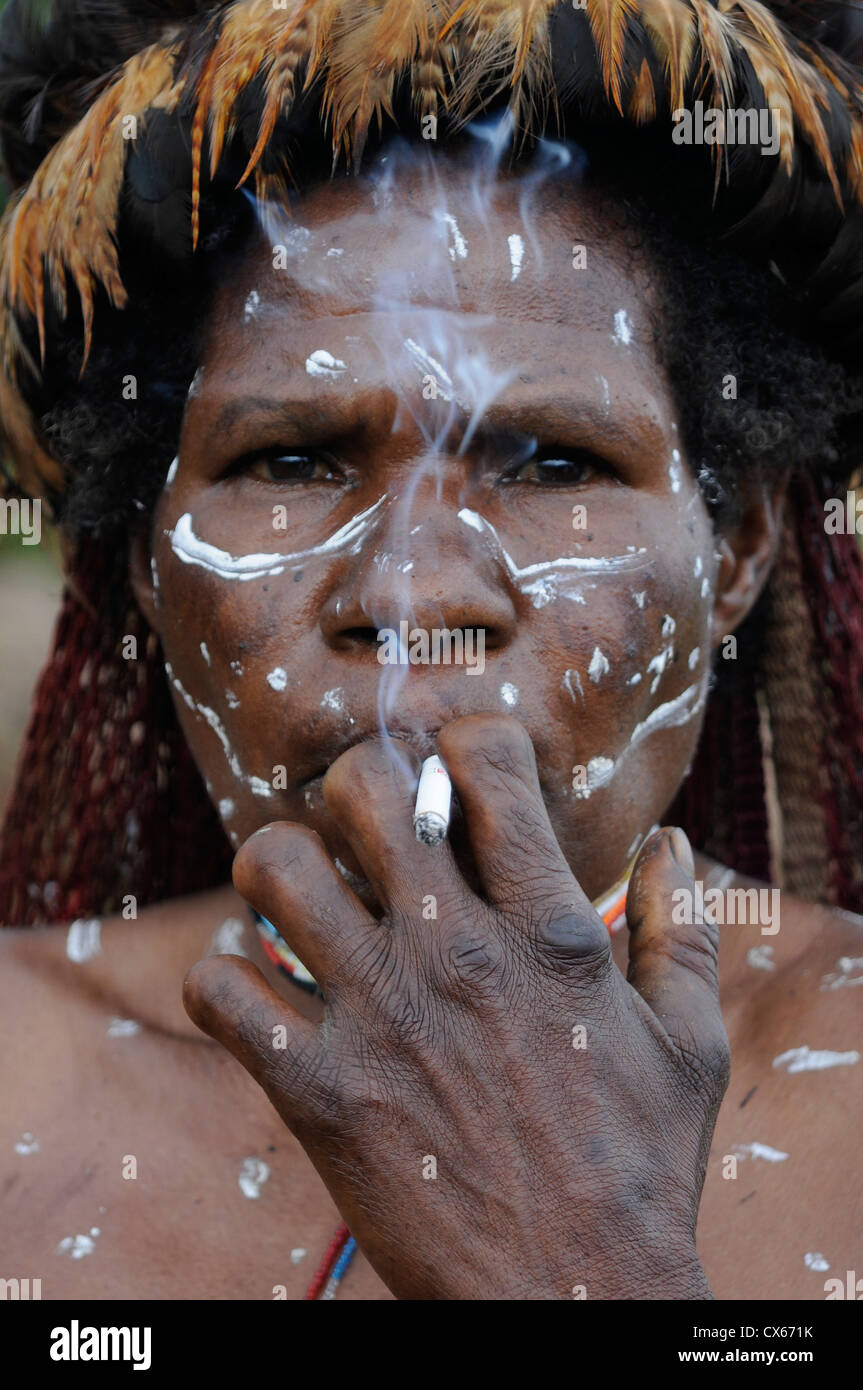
(423, 742)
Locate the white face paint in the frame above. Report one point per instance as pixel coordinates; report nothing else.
(599, 666)
(205, 652)
(516, 255)
(193, 551)
(639, 598)
(622, 328)
(670, 715)
(322, 364)
(804, 1059)
(458, 247)
(250, 309)
(231, 700)
(694, 658)
(226, 808)
(509, 694)
(172, 472)
(572, 678)
(123, 1028)
(334, 699)
(674, 470)
(298, 1254)
(84, 940)
(195, 387)
(27, 1145)
(278, 678)
(599, 772)
(253, 1174)
(237, 668)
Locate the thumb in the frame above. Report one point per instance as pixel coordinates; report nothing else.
(674, 949)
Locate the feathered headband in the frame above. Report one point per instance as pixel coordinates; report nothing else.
(229, 72)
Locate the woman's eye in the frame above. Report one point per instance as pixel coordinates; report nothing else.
(292, 468)
(550, 469)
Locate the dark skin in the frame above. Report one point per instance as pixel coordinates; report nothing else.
(557, 1168)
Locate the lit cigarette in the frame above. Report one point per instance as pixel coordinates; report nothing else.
(434, 796)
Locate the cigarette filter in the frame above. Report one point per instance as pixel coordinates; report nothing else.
(434, 797)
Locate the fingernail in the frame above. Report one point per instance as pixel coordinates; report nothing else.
(682, 851)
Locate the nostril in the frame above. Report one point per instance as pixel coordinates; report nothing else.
(360, 636)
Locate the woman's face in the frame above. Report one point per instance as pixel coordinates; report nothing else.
(421, 408)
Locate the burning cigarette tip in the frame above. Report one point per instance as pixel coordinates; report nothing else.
(433, 803)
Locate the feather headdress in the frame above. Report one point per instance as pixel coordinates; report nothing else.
(233, 72)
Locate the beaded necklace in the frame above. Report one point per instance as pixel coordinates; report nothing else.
(611, 907)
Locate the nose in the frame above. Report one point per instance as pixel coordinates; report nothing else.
(424, 566)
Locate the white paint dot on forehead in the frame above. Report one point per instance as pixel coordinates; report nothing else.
(84, 940)
(599, 665)
(516, 255)
(322, 364)
(278, 678)
(253, 1174)
(509, 694)
(622, 328)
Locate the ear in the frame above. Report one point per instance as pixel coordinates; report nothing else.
(747, 550)
(141, 576)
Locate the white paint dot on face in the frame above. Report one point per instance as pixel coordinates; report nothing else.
(76, 1247)
(250, 309)
(259, 787)
(27, 1144)
(226, 808)
(572, 678)
(516, 255)
(298, 1254)
(668, 626)
(172, 472)
(699, 566)
(639, 598)
(509, 694)
(237, 668)
(599, 666)
(674, 470)
(205, 652)
(334, 699)
(123, 1028)
(253, 1174)
(635, 680)
(321, 363)
(599, 772)
(705, 587)
(278, 678)
(694, 658)
(798, 1059)
(761, 958)
(84, 940)
(815, 1260)
(231, 700)
(459, 245)
(622, 328)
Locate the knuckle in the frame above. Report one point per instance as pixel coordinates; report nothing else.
(471, 957)
(565, 938)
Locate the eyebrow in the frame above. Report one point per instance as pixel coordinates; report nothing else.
(559, 412)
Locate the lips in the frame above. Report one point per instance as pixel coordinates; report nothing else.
(423, 742)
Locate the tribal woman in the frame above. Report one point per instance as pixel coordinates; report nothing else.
(417, 378)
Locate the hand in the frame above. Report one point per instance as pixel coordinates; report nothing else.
(495, 1110)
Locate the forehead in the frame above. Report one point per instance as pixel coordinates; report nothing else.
(434, 233)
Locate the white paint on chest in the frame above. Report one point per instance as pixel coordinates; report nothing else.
(76, 1247)
(84, 940)
(253, 1174)
(123, 1028)
(804, 1059)
(756, 1150)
